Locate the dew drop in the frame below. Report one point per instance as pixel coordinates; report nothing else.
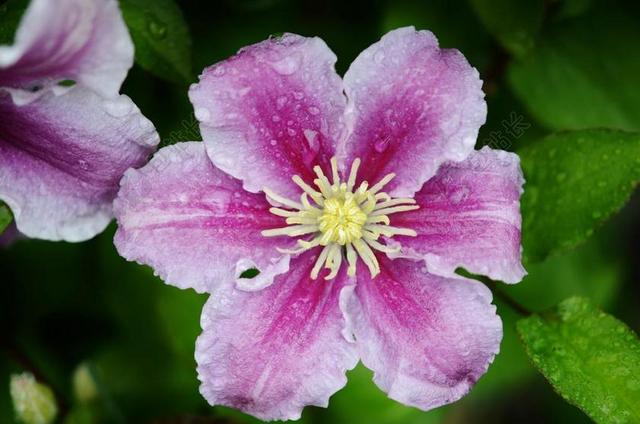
(287, 65)
(275, 118)
(202, 114)
(314, 110)
(298, 95)
(291, 132)
(312, 139)
(118, 108)
(378, 56)
(273, 142)
(381, 144)
(83, 164)
(281, 101)
(219, 71)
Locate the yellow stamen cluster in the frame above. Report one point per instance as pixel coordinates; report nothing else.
(344, 220)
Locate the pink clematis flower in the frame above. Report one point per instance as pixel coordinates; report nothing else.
(356, 209)
(63, 149)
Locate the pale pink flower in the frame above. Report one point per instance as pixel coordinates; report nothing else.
(64, 149)
(349, 270)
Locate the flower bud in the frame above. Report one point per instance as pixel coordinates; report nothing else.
(33, 402)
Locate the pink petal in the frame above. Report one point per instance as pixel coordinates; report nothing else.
(427, 338)
(61, 158)
(271, 353)
(272, 111)
(84, 41)
(469, 217)
(194, 224)
(412, 106)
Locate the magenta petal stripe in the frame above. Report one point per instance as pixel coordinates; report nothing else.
(469, 217)
(194, 224)
(62, 156)
(272, 111)
(273, 352)
(412, 106)
(427, 338)
(84, 41)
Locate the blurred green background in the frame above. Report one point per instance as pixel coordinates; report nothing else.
(547, 65)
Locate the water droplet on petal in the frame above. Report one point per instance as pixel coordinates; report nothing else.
(118, 107)
(312, 139)
(314, 110)
(218, 71)
(287, 65)
(381, 144)
(378, 56)
(202, 114)
(281, 101)
(299, 95)
(83, 164)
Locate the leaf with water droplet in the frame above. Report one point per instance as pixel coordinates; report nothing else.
(161, 38)
(567, 195)
(591, 359)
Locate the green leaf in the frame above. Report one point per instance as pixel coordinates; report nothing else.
(5, 217)
(584, 73)
(575, 181)
(590, 358)
(10, 14)
(161, 38)
(514, 26)
(361, 401)
(594, 270)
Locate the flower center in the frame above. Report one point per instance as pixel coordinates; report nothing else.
(341, 220)
(345, 220)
